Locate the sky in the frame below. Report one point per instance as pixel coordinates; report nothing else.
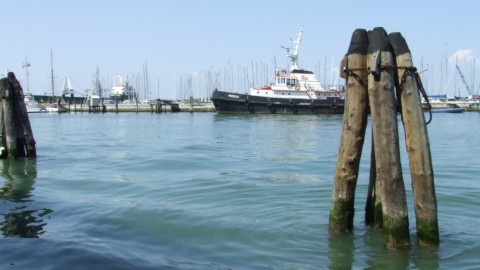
(174, 49)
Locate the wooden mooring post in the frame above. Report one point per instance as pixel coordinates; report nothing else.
(18, 140)
(389, 66)
(353, 68)
(416, 139)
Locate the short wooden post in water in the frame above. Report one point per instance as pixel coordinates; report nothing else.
(370, 218)
(191, 104)
(3, 151)
(389, 188)
(25, 138)
(353, 134)
(9, 125)
(418, 145)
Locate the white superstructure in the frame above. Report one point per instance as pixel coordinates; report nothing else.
(296, 84)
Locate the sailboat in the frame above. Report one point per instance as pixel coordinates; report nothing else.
(57, 106)
(32, 105)
(94, 100)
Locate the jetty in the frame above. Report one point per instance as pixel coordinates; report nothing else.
(83, 104)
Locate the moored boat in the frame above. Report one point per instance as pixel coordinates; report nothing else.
(32, 105)
(58, 107)
(297, 91)
(449, 110)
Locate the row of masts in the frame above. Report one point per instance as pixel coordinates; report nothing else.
(239, 78)
(137, 81)
(447, 82)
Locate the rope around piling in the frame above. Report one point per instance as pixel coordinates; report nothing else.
(409, 71)
(412, 71)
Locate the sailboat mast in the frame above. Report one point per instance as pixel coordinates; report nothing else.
(26, 65)
(51, 65)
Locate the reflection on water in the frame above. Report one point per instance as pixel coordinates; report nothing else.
(341, 248)
(19, 219)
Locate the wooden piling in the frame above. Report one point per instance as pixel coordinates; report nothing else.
(353, 133)
(370, 218)
(191, 104)
(24, 130)
(19, 140)
(390, 194)
(417, 143)
(3, 150)
(8, 120)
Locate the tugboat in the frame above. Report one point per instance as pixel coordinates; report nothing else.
(297, 91)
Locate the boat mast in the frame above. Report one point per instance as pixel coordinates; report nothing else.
(292, 52)
(26, 65)
(51, 65)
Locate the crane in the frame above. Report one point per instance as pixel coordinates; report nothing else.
(463, 80)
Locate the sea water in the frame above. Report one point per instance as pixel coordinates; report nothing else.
(213, 191)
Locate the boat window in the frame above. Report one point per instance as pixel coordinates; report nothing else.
(288, 81)
(283, 80)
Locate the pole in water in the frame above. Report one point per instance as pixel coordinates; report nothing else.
(390, 197)
(353, 134)
(417, 143)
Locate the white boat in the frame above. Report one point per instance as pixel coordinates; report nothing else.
(32, 105)
(297, 91)
(447, 103)
(56, 108)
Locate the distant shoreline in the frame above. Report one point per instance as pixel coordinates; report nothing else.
(151, 108)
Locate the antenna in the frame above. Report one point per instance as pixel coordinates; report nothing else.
(25, 65)
(294, 55)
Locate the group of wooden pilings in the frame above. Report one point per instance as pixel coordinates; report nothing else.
(16, 136)
(382, 81)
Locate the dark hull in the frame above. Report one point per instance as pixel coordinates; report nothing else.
(243, 103)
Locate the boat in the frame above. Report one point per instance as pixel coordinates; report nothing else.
(296, 91)
(449, 110)
(58, 106)
(443, 104)
(32, 105)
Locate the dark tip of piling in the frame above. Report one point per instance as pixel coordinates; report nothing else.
(10, 75)
(398, 43)
(378, 40)
(359, 42)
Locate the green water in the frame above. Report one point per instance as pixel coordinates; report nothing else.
(209, 191)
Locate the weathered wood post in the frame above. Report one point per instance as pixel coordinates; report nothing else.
(417, 143)
(3, 151)
(371, 199)
(191, 104)
(353, 133)
(389, 188)
(26, 141)
(9, 125)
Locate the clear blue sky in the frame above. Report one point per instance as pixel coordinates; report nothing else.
(182, 39)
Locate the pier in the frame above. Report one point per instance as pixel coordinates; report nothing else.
(81, 104)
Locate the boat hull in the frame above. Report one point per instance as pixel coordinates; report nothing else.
(449, 110)
(226, 102)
